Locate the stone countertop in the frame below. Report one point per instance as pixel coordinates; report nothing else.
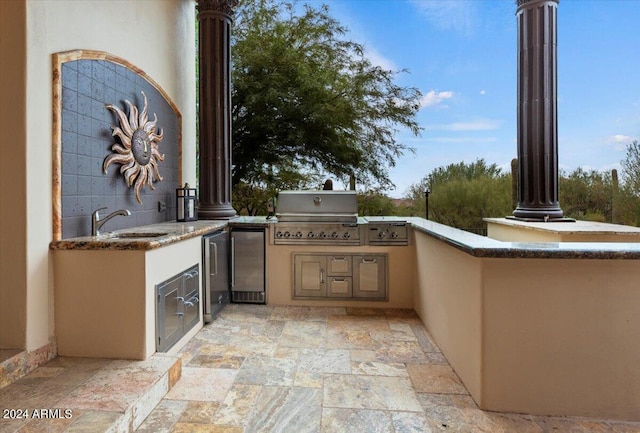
(160, 235)
(575, 227)
(481, 246)
(475, 245)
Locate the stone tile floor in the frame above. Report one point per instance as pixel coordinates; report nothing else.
(330, 370)
(275, 369)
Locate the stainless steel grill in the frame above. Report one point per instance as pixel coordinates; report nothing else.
(331, 218)
(317, 206)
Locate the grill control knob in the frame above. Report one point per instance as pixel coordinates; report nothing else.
(298, 234)
(311, 235)
(278, 234)
(394, 235)
(381, 235)
(287, 234)
(334, 235)
(347, 235)
(322, 235)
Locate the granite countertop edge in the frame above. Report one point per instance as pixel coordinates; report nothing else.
(175, 232)
(470, 243)
(483, 247)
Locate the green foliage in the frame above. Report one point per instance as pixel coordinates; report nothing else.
(586, 195)
(631, 168)
(461, 195)
(374, 203)
(596, 196)
(307, 100)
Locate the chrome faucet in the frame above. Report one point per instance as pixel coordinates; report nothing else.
(96, 222)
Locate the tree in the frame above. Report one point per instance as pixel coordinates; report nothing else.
(461, 195)
(631, 167)
(374, 203)
(587, 195)
(306, 100)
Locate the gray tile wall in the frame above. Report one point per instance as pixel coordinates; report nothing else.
(87, 86)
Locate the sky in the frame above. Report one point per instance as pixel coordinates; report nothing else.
(461, 54)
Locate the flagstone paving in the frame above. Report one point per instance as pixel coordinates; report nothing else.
(273, 369)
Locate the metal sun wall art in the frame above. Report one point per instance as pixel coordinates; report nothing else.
(138, 154)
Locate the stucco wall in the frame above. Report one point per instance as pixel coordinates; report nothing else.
(158, 37)
(552, 336)
(448, 300)
(13, 228)
(561, 337)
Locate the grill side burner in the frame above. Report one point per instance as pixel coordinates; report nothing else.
(387, 233)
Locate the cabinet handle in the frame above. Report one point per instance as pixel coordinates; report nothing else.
(339, 259)
(369, 261)
(321, 276)
(191, 302)
(191, 274)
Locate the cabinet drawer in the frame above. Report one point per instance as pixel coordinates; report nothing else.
(178, 307)
(191, 310)
(339, 287)
(339, 266)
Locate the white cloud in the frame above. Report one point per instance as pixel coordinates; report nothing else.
(448, 14)
(478, 125)
(619, 138)
(483, 92)
(378, 59)
(434, 98)
(620, 141)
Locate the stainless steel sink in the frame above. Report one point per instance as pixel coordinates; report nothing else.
(136, 235)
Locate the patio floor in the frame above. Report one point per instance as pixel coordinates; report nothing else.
(276, 369)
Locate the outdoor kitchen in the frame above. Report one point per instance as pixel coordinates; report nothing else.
(541, 317)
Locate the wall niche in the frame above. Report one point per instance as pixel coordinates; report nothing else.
(84, 83)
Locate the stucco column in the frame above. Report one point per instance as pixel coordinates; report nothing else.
(537, 111)
(214, 21)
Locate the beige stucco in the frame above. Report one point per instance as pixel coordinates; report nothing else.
(400, 278)
(105, 299)
(13, 176)
(561, 337)
(158, 37)
(539, 336)
(448, 299)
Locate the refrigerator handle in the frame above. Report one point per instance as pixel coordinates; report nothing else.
(215, 258)
(233, 262)
(207, 264)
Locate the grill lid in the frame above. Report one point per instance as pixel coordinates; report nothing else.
(317, 206)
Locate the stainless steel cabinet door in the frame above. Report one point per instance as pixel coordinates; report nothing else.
(248, 261)
(370, 277)
(310, 277)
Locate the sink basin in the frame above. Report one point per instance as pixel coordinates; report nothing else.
(135, 235)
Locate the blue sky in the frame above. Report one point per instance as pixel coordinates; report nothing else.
(461, 54)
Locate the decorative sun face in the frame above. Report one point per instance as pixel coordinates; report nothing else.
(138, 154)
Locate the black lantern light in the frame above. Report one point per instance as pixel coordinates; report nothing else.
(186, 209)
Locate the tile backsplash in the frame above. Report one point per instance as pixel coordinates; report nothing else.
(87, 86)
